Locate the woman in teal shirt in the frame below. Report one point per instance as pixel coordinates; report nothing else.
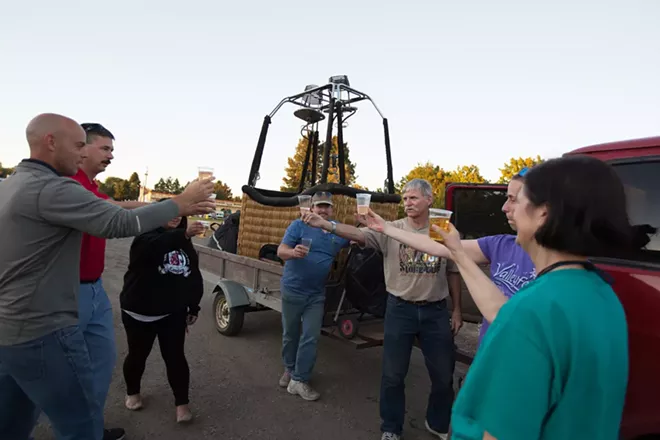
(554, 363)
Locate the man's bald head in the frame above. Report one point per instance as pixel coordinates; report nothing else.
(57, 140)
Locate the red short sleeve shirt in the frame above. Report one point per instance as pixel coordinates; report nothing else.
(92, 251)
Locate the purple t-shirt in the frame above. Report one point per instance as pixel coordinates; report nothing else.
(510, 266)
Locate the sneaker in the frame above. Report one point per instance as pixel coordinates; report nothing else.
(114, 434)
(285, 379)
(303, 390)
(390, 436)
(133, 402)
(434, 432)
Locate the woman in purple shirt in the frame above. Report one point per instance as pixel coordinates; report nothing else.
(510, 266)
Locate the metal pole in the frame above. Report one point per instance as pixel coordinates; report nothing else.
(256, 161)
(340, 146)
(328, 141)
(303, 174)
(388, 154)
(315, 156)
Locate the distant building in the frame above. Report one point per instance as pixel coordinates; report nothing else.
(148, 195)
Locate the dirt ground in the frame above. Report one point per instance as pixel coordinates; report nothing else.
(234, 392)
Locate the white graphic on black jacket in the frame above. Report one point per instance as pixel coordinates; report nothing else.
(176, 263)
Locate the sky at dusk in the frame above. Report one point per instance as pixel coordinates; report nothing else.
(185, 84)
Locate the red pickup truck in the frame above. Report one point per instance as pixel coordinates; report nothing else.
(637, 282)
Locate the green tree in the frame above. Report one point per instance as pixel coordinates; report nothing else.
(123, 190)
(438, 178)
(5, 172)
(514, 165)
(168, 186)
(161, 186)
(222, 190)
(295, 164)
(134, 187)
(466, 174)
(113, 187)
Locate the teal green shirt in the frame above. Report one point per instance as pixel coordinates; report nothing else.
(553, 365)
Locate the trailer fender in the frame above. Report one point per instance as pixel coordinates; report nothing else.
(235, 293)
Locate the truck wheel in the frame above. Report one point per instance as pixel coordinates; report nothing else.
(228, 321)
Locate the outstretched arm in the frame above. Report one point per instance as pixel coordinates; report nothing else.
(421, 242)
(424, 243)
(130, 204)
(486, 295)
(345, 231)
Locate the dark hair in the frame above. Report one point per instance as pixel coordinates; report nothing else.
(586, 207)
(183, 224)
(92, 130)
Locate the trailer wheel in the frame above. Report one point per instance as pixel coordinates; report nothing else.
(348, 327)
(228, 321)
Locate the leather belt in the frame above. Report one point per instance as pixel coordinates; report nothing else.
(420, 303)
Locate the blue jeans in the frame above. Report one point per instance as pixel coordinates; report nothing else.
(53, 374)
(430, 323)
(97, 326)
(299, 349)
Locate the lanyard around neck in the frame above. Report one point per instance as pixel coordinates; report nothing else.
(588, 265)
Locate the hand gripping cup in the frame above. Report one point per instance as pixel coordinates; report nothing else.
(363, 201)
(438, 217)
(307, 243)
(305, 203)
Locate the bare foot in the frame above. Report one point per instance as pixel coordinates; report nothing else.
(134, 402)
(183, 414)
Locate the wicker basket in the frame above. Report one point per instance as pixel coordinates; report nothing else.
(262, 224)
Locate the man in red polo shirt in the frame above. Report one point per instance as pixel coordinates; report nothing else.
(95, 309)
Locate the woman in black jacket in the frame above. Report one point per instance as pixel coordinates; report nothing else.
(162, 290)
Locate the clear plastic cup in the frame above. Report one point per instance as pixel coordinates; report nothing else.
(305, 203)
(438, 217)
(205, 173)
(207, 227)
(363, 201)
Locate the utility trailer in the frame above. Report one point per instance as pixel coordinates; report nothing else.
(243, 285)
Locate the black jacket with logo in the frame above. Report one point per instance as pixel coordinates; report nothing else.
(163, 274)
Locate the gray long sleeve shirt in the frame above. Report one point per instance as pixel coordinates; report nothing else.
(42, 218)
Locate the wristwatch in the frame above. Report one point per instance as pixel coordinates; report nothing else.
(334, 227)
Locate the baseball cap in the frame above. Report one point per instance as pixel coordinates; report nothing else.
(322, 198)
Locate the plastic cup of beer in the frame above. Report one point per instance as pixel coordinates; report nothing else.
(305, 203)
(438, 217)
(307, 243)
(205, 173)
(363, 201)
(207, 226)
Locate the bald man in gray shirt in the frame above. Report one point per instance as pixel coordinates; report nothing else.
(44, 363)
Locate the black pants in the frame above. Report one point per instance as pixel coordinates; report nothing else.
(171, 332)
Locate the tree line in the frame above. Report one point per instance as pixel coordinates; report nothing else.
(129, 189)
(173, 186)
(437, 176)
